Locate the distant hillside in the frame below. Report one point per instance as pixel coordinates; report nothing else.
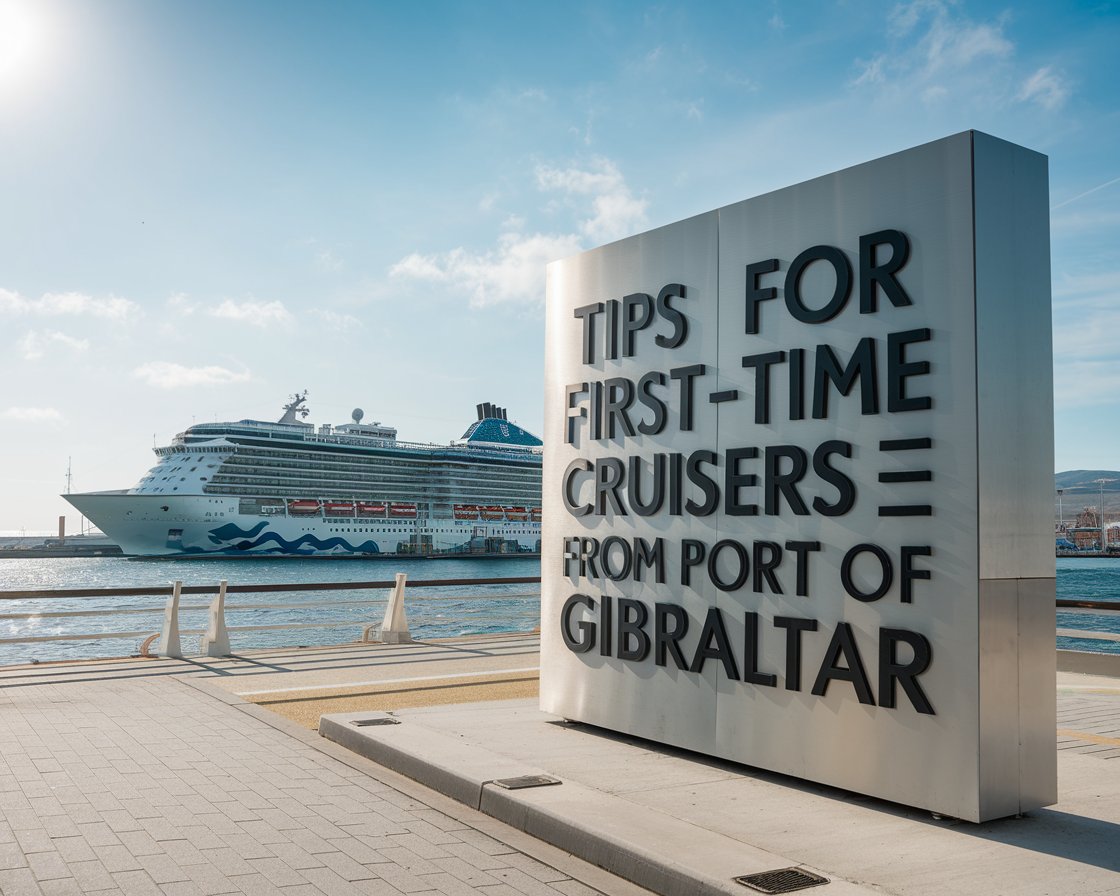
(1080, 488)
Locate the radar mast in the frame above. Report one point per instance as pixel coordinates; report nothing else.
(295, 408)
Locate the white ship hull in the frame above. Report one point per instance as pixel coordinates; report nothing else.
(195, 525)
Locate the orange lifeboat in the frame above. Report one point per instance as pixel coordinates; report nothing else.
(517, 514)
(303, 507)
(535, 514)
(402, 511)
(371, 508)
(493, 513)
(339, 508)
(466, 511)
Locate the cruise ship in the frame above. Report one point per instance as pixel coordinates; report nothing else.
(289, 488)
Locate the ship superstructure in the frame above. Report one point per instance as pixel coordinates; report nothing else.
(254, 487)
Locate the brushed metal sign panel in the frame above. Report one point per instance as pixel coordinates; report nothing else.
(781, 525)
(924, 194)
(661, 703)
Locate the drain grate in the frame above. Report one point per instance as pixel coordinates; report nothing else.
(526, 781)
(784, 880)
(366, 723)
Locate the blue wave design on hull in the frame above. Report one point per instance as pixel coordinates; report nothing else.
(230, 531)
(255, 540)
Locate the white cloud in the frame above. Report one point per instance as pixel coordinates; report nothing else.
(1081, 383)
(512, 272)
(35, 344)
(871, 72)
(1046, 87)
(905, 16)
(604, 209)
(1095, 288)
(32, 415)
(603, 177)
(336, 321)
(1083, 194)
(934, 94)
(12, 302)
(250, 311)
(615, 212)
(54, 304)
(532, 95)
(423, 267)
(182, 304)
(1086, 355)
(956, 45)
(935, 51)
(948, 41)
(327, 260)
(1073, 222)
(167, 375)
(259, 314)
(1087, 335)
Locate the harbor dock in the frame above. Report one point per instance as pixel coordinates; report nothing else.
(204, 775)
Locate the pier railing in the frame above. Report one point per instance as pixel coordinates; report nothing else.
(1090, 608)
(371, 611)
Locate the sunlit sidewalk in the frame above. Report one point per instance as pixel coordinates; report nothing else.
(138, 777)
(183, 777)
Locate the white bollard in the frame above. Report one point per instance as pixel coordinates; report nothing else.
(394, 630)
(216, 640)
(169, 638)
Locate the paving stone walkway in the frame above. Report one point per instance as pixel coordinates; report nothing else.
(155, 777)
(148, 783)
(1089, 723)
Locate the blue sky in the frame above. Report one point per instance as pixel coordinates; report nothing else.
(205, 206)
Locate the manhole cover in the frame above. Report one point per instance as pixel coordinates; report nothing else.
(526, 781)
(784, 880)
(366, 723)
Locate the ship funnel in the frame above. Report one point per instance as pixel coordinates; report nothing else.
(489, 410)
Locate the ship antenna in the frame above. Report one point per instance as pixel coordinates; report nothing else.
(293, 408)
(68, 478)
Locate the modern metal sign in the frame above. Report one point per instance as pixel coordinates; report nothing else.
(797, 482)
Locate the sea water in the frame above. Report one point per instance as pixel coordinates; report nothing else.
(459, 610)
(1089, 578)
(432, 613)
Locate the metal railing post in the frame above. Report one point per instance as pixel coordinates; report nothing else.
(169, 638)
(394, 630)
(216, 640)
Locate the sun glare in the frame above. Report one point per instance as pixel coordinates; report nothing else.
(21, 40)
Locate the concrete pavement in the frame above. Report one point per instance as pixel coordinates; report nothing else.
(142, 777)
(681, 823)
(157, 776)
